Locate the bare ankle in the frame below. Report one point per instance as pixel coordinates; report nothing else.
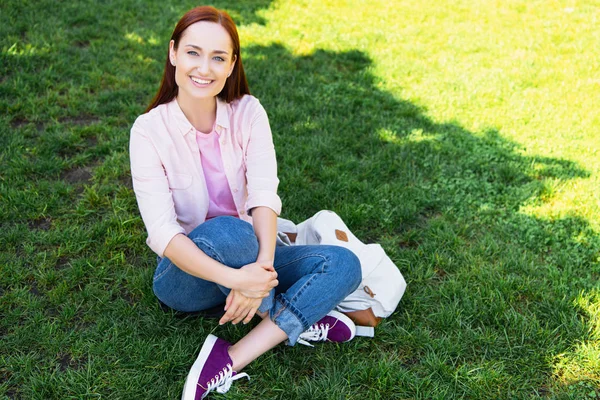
(234, 365)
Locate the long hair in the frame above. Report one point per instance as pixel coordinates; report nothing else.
(236, 85)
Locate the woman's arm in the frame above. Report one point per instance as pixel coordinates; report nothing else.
(241, 305)
(166, 237)
(254, 281)
(264, 221)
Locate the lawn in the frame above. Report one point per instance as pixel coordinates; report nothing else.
(461, 135)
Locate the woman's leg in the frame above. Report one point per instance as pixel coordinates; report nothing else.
(312, 281)
(228, 240)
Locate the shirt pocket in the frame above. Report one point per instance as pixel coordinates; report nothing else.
(179, 181)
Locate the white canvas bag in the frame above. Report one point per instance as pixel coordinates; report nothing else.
(382, 284)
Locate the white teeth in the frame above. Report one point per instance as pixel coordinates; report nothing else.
(200, 81)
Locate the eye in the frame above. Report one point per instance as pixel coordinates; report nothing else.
(218, 58)
(192, 53)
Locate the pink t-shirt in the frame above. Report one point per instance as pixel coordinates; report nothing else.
(219, 194)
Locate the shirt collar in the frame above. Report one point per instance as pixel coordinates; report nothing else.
(222, 119)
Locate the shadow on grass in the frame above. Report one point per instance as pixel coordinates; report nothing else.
(448, 204)
(491, 288)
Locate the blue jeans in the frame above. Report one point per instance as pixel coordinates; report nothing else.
(312, 279)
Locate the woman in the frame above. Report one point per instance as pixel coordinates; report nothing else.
(205, 177)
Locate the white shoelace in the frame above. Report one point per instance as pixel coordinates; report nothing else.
(316, 333)
(222, 382)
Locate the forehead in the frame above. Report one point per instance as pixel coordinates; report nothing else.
(207, 35)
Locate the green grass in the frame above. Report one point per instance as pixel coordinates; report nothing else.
(463, 136)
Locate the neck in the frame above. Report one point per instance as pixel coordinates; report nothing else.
(201, 113)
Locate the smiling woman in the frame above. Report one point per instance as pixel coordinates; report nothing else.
(205, 177)
(203, 61)
(226, 38)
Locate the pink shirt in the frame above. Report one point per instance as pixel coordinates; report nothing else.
(219, 195)
(168, 177)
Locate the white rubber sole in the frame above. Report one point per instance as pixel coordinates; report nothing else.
(345, 319)
(191, 382)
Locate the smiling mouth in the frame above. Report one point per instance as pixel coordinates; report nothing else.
(201, 81)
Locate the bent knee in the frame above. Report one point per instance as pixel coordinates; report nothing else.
(347, 266)
(225, 229)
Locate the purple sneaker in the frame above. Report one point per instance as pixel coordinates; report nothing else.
(211, 370)
(334, 327)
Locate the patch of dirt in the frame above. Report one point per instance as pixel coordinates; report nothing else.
(440, 273)
(51, 312)
(82, 44)
(126, 181)
(543, 391)
(409, 362)
(43, 223)
(408, 244)
(66, 361)
(92, 141)
(34, 290)
(61, 263)
(77, 175)
(20, 122)
(124, 294)
(84, 119)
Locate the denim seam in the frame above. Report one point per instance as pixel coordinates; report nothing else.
(167, 269)
(286, 305)
(301, 258)
(199, 241)
(309, 281)
(284, 302)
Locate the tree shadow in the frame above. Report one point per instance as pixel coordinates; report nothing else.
(448, 205)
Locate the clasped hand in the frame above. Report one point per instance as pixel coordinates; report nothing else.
(256, 281)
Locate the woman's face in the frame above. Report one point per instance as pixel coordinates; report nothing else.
(203, 60)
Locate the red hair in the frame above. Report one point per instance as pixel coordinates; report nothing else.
(236, 85)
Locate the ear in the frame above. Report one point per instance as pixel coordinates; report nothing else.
(172, 57)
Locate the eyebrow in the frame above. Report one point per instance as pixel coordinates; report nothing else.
(200, 48)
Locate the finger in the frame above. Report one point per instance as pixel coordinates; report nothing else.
(250, 316)
(228, 300)
(274, 283)
(239, 318)
(227, 317)
(233, 309)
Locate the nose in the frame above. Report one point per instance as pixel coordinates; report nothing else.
(203, 66)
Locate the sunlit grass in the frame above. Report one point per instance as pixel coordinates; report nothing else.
(463, 136)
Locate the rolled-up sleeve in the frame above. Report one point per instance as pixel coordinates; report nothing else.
(152, 192)
(261, 164)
